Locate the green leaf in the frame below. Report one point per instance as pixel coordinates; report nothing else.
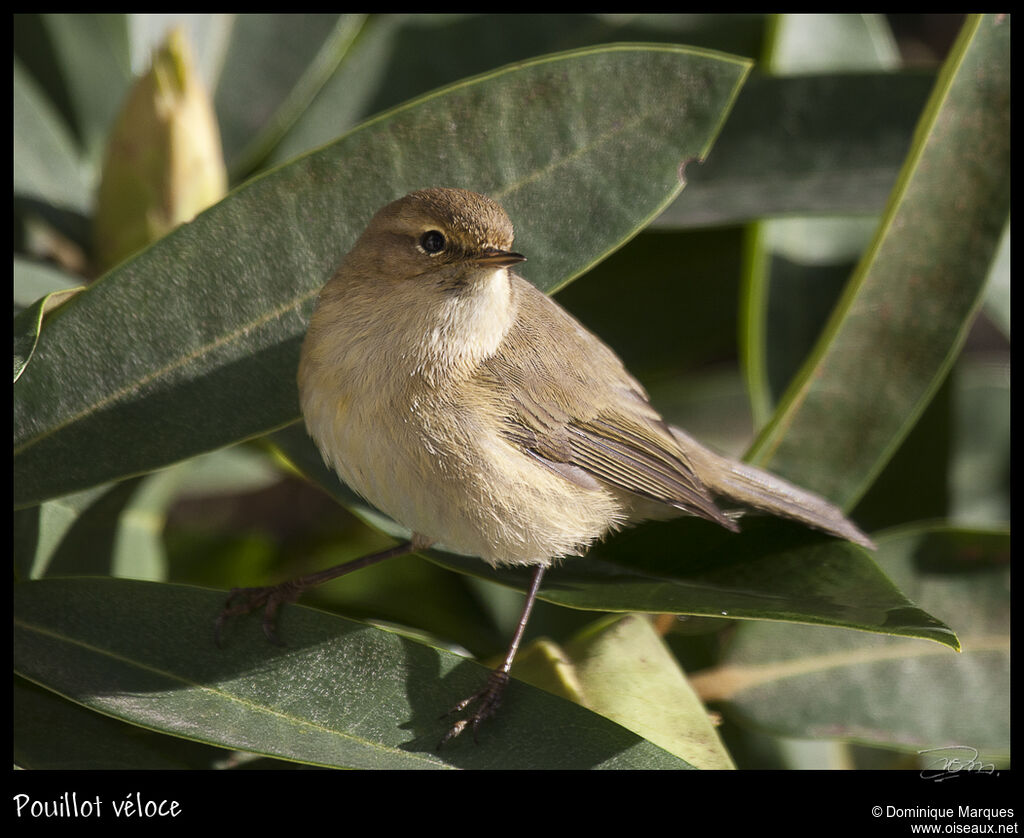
(54, 734)
(906, 311)
(28, 324)
(91, 56)
(663, 303)
(997, 291)
(828, 143)
(980, 476)
(33, 280)
(399, 57)
(341, 694)
(39, 530)
(114, 531)
(194, 343)
(274, 66)
(799, 265)
(889, 691)
(822, 143)
(119, 529)
(915, 483)
(772, 570)
(808, 43)
(47, 166)
(620, 667)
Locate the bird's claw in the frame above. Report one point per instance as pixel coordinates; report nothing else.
(246, 600)
(488, 700)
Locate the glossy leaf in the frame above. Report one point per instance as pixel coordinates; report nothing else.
(52, 733)
(813, 143)
(826, 683)
(194, 343)
(39, 531)
(808, 43)
(398, 57)
(981, 472)
(772, 570)
(28, 323)
(906, 311)
(341, 694)
(118, 530)
(997, 292)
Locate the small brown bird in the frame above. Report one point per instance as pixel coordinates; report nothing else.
(477, 412)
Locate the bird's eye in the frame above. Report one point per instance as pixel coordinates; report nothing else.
(432, 241)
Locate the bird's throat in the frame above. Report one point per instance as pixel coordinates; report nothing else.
(469, 324)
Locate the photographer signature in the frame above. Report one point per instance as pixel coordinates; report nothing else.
(943, 766)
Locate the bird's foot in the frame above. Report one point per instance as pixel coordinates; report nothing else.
(270, 599)
(487, 700)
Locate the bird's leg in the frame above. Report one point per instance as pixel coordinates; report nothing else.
(488, 699)
(272, 597)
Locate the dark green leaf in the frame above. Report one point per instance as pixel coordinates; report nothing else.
(27, 325)
(807, 144)
(915, 483)
(274, 66)
(906, 311)
(54, 734)
(194, 343)
(773, 570)
(889, 691)
(91, 53)
(399, 57)
(340, 694)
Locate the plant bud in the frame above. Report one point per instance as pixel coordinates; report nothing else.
(163, 162)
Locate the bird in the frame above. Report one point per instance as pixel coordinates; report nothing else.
(473, 409)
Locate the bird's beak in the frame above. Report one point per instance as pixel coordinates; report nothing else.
(498, 258)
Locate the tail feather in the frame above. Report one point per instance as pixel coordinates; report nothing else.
(761, 490)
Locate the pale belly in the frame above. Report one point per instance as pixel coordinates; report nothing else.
(435, 470)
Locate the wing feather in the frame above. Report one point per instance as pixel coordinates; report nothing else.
(578, 408)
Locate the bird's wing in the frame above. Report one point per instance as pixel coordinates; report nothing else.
(578, 411)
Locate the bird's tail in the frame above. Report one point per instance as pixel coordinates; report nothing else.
(761, 490)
